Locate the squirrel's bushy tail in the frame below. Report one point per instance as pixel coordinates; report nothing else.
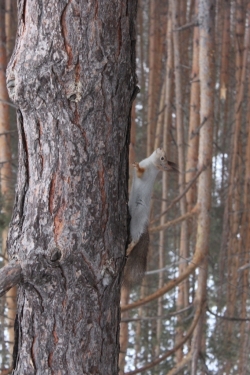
(137, 262)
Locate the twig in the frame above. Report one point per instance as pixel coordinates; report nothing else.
(9, 103)
(187, 26)
(197, 130)
(181, 195)
(243, 268)
(167, 267)
(8, 132)
(231, 318)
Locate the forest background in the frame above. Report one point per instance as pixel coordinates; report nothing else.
(194, 102)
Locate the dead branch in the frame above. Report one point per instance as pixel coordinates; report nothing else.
(197, 130)
(10, 275)
(181, 365)
(168, 316)
(196, 260)
(169, 266)
(231, 318)
(8, 103)
(175, 221)
(189, 185)
(172, 351)
(187, 26)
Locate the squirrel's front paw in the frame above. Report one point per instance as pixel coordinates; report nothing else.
(139, 170)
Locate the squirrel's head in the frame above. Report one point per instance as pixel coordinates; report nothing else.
(162, 163)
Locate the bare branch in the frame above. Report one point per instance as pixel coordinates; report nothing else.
(189, 185)
(243, 268)
(175, 221)
(172, 351)
(10, 276)
(9, 103)
(231, 318)
(197, 130)
(195, 262)
(127, 320)
(180, 366)
(187, 26)
(169, 266)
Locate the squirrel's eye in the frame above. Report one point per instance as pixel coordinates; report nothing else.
(162, 158)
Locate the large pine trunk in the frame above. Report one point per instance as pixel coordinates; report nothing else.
(72, 76)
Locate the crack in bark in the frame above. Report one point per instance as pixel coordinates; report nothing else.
(68, 48)
(40, 146)
(15, 347)
(59, 222)
(52, 193)
(103, 193)
(32, 350)
(119, 36)
(23, 11)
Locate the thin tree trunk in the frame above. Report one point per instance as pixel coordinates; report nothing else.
(234, 193)
(6, 179)
(224, 117)
(182, 299)
(160, 120)
(10, 25)
(194, 120)
(245, 227)
(143, 55)
(167, 120)
(123, 331)
(69, 228)
(151, 85)
(155, 66)
(125, 292)
(206, 22)
(225, 48)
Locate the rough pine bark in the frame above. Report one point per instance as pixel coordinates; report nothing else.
(72, 75)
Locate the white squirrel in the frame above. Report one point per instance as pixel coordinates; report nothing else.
(139, 208)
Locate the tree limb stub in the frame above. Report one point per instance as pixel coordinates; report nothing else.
(10, 275)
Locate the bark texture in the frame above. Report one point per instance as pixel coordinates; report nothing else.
(72, 76)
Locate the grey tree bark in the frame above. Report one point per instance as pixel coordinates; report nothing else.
(72, 75)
